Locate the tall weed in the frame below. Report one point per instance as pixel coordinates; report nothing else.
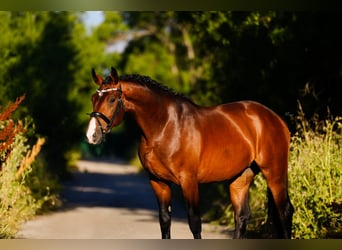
(315, 177)
(20, 196)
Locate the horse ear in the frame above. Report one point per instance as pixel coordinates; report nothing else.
(114, 75)
(96, 77)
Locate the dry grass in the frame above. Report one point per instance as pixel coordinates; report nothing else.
(19, 199)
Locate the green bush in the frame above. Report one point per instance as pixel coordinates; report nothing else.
(25, 187)
(315, 173)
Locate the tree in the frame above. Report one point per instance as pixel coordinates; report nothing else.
(272, 57)
(48, 57)
(220, 56)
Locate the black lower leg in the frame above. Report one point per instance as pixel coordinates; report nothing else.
(165, 222)
(241, 220)
(286, 220)
(195, 223)
(279, 218)
(272, 222)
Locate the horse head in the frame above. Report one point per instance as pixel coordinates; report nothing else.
(108, 107)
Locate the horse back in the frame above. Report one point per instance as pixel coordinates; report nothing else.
(262, 125)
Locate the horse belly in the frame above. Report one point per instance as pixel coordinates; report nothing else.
(224, 162)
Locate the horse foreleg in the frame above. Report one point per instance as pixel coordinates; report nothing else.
(191, 195)
(239, 198)
(162, 191)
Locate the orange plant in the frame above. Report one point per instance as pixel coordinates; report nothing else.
(8, 128)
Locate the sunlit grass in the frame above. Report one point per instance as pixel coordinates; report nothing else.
(315, 177)
(25, 187)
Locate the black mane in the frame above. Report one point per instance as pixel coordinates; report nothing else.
(152, 84)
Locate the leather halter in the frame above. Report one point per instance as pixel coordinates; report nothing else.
(108, 121)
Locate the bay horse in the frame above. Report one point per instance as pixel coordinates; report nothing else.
(186, 144)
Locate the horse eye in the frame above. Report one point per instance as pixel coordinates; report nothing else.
(111, 100)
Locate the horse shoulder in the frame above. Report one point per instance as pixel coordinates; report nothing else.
(155, 160)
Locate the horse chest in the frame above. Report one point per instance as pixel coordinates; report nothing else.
(155, 162)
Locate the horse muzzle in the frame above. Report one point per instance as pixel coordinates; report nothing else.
(94, 132)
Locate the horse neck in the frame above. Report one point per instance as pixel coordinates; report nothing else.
(149, 108)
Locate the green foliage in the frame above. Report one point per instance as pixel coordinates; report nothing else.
(151, 51)
(48, 57)
(316, 177)
(111, 28)
(219, 56)
(25, 187)
(17, 203)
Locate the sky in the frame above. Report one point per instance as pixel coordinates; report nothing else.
(92, 19)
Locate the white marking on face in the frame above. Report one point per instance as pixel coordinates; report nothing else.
(91, 131)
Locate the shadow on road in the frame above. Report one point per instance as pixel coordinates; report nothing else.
(108, 184)
(108, 200)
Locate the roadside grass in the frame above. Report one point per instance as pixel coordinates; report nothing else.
(25, 186)
(315, 177)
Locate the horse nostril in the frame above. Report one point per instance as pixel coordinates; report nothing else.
(94, 135)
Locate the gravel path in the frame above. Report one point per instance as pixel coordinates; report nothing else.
(105, 200)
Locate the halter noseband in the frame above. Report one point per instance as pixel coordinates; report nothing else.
(109, 122)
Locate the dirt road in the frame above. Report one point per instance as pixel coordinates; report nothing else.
(105, 200)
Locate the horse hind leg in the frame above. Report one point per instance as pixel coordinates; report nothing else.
(280, 209)
(239, 189)
(279, 216)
